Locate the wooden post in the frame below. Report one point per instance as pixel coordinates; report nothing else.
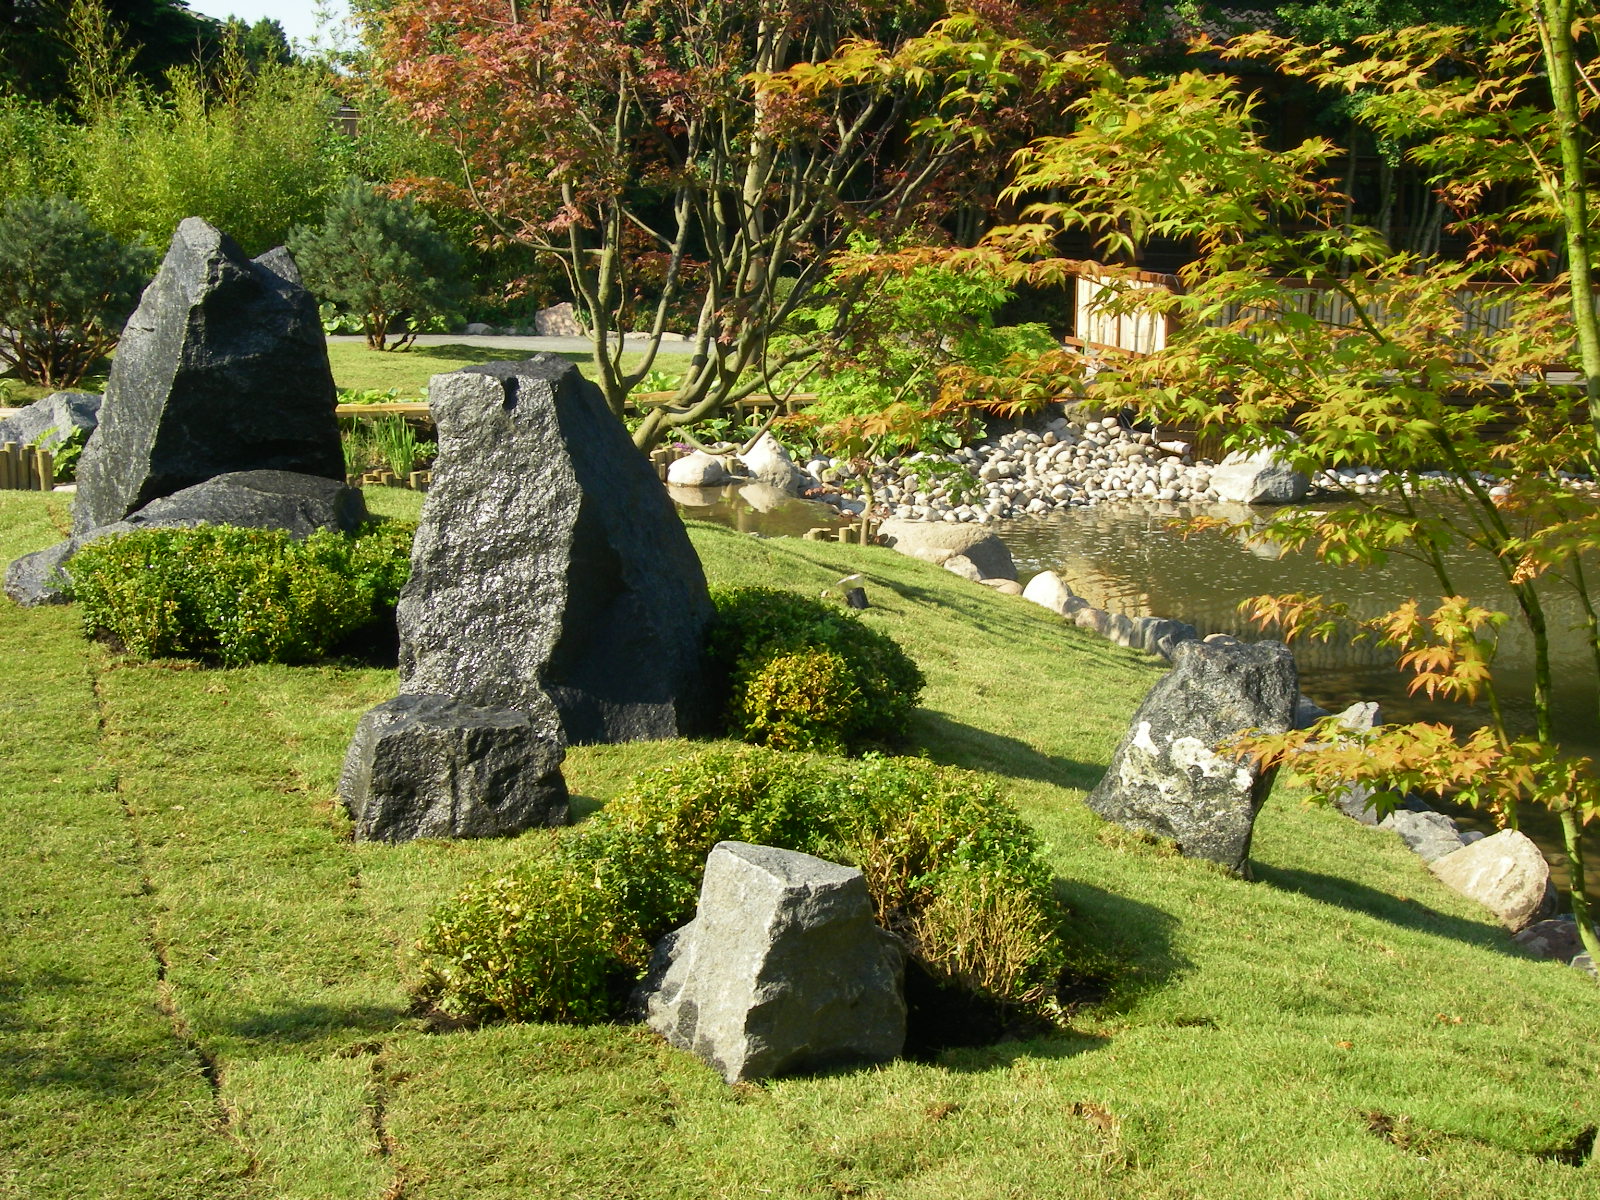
(45, 464)
(9, 462)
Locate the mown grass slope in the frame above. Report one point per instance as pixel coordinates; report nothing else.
(202, 980)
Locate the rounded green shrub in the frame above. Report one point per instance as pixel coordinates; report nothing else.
(950, 866)
(801, 674)
(543, 942)
(237, 595)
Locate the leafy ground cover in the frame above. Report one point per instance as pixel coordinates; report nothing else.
(202, 981)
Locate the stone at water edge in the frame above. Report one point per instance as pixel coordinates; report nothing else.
(781, 970)
(698, 470)
(550, 573)
(1260, 478)
(1051, 591)
(938, 541)
(769, 463)
(1429, 835)
(430, 766)
(1167, 776)
(1505, 873)
(223, 367)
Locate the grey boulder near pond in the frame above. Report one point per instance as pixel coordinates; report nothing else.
(1169, 776)
(431, 766)
(550, 573)
(223, 367)
(782, 969)
(50, 421)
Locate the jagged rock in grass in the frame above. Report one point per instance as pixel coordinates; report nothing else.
(1430, 835)
(1051, 591)
(1168, 776)
(40, 577)
(937, 541)
(223, 367)
(1259, 478)
(1505, 873)
(300, 504)
(769, 463)
(781, 970)
(698, 470)
(49, 422)
(550, 573)
(431, 766)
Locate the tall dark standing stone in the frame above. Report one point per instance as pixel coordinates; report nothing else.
(1169, 776)
(223, 367)
(550, 574)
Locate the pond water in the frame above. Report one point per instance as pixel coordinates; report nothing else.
(1137, 560)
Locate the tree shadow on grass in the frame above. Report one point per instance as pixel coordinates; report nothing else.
(1396, 910)
(296, 1024)
(457, 351)
(952, 743)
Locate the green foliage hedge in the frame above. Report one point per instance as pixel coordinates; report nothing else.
(951, 868)
(238, 595)
(805, 675)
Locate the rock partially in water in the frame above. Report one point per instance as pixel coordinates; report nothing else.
(1169, 776)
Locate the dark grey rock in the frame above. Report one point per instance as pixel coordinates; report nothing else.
(1430, 835)
(300, 504)
(1354, 800)
(48, 422)
(550, 573)
(781, 970)
(431, 766)
(38, 578)
(1556, 938)
(1308, 712)
(1167, 776)
(222, 368)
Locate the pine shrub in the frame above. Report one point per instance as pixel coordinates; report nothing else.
(66, 289)
(381, 260)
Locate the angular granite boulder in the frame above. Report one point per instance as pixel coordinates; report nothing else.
(1169, 776)
(223, 367)
(431, 766)
(781, 970)
(550, 574)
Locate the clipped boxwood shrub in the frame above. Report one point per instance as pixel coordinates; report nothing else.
(801, 674)
(949, 864)
(237, 595)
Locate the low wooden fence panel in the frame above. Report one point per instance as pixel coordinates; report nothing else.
(26, 468)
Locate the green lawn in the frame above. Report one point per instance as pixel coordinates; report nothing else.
(355, 366)
(202, 980)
